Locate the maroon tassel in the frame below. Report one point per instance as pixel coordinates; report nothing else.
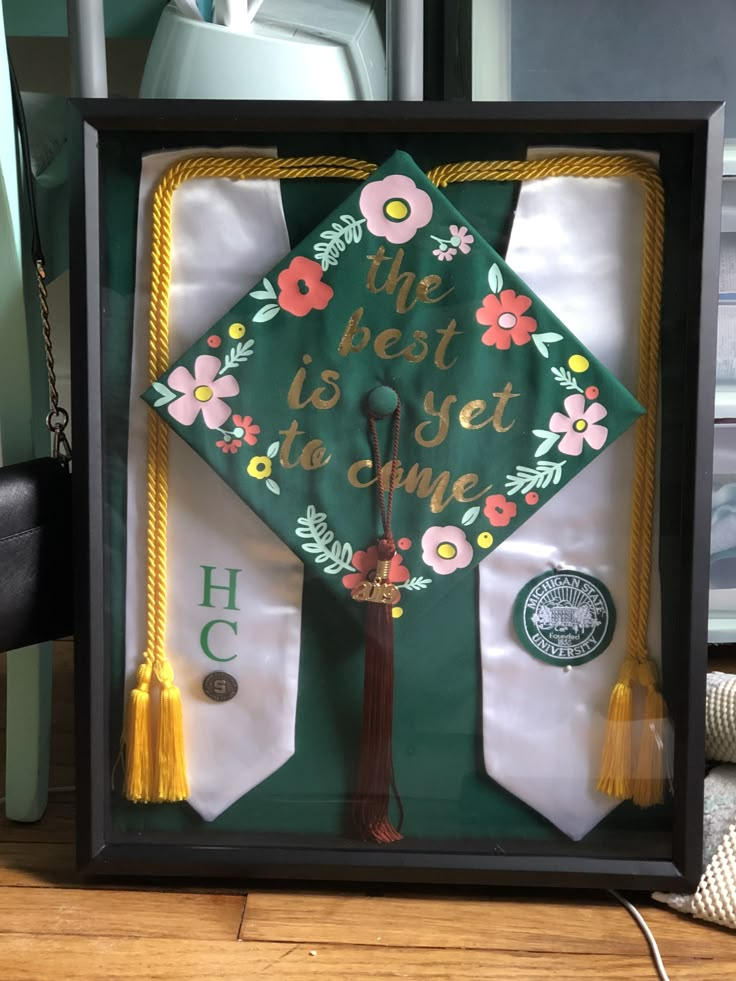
(376, 768)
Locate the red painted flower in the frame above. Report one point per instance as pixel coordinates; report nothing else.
(365, 563)
(504, 317)
(229, 445)
(249, 431)
(302, 289)
(499, 511)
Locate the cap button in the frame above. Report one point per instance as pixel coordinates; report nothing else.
(382, 401)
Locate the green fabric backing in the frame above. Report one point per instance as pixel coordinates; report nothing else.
(437, 742)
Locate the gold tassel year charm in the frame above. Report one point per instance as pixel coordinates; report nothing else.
(379, 589)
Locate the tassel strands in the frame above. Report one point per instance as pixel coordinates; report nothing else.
(136, 742)
(171, 770)
(626, 774)
(155, 767)
(649, 775)
(376, 780)
(376, 771)
(615, 775)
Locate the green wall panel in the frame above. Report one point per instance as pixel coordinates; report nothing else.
(47, 18)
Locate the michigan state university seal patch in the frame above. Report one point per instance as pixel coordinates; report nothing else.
(564, 617)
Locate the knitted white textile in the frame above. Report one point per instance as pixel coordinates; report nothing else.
(715, 897)
(720, 717)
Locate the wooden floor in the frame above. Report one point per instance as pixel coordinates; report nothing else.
(53, 927)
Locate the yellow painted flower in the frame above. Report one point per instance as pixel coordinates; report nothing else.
(259, 467)
(578, 363)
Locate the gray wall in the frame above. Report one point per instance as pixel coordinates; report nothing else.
(624, 49)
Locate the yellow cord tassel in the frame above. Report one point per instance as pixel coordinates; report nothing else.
(615, 773)
(137, 738)
(171, 769)
(648, 782)
(619, 778)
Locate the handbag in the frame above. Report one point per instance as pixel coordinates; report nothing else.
(36, 595)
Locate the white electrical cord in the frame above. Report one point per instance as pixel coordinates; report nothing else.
(654, 949)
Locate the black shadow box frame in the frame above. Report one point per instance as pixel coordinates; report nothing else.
(110, 139)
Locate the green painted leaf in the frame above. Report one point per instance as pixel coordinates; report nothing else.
(530, 478)
(272, 450)
(273, 487)
(166, 394)
(323, 545)
(470, 515)
(542, 340)
(495, 279)
(237, 355)
(267, 293)
(336, 238)
(566, 379)
(266, 313)
(548, 440)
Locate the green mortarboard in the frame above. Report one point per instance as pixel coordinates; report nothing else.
(394, 402)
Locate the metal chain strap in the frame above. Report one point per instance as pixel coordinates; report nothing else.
(57, 418)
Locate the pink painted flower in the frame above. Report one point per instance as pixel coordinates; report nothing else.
(444, 254)
(395, 208)
(446, 549)
(461, 239)
(249, 432)
(579, 425)
(504, 317)
(302, 289)
(202, 392)
(366, 562)
(229, 445)
(499, 510)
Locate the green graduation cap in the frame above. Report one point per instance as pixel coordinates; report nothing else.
(394, 402)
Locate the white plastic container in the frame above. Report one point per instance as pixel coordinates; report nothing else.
(295, 49)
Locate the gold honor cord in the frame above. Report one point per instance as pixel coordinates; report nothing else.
(156, 770)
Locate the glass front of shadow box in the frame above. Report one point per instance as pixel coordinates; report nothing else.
(722, 604)
(400, 427)
(722, 598)
(726, 356)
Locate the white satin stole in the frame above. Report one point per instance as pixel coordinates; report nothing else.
(226, 236)
(578, 244)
